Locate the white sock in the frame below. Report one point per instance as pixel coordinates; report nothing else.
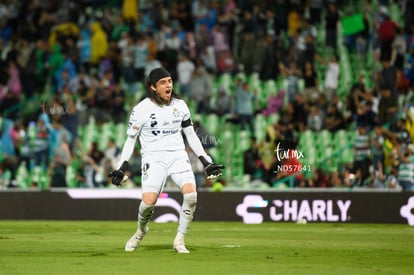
(144, 215)
(186, 214)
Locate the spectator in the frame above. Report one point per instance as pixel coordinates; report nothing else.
(311, 89)
(378, 142)
(292, 73)
(251, 159)
(300, 113)
(119, 29)
(386, 34)
(331, 23)
(226, 63)
(391, 182)
(366, 117)
(334, 119)
(127, 48)
(41, 144)
(185, 69)
(406, 171)
(99, 43)
(320, 179)
(315, 119)
(61, 159)
(201, 89)
(388, 77)
(378, 176)
(223, 102)
(331, 80)
(268, 68)
(245, 98)
(362, 153)
(208, 58)
(247, 51)
(14, 84)
(93, 165)
(118, 98)
(275, 103)
(400, 134)
(141, 53)
(315, 11)
(294, 22)
(110, 159)
(172, 50)
(388, 107)
(398, 49)
(355, 95)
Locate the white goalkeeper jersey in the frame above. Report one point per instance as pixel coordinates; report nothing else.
(158, 127)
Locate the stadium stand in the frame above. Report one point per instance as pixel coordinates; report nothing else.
(323, 150)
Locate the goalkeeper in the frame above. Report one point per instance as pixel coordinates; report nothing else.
(158, 121)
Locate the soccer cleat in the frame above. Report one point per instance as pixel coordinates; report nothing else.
(134, 241)
(180, 248)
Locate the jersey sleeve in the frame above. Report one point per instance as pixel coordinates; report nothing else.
(135, 123)
(186, 111)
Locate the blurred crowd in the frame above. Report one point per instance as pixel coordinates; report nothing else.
(66, 62)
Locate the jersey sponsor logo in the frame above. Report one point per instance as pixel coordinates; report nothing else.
(153, 124)
(176, 121)
(169, 132)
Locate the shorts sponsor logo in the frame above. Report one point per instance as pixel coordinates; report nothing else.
(145, 168)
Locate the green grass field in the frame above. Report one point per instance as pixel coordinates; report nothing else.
(60, 247)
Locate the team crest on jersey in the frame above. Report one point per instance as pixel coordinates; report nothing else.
(176, 113)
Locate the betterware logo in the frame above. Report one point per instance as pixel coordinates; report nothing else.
(407, 211)
(293, 210)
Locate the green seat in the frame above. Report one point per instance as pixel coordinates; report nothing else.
(324, 138)
(347, 156)
(307, 139)
(23, 177)
(212, 124)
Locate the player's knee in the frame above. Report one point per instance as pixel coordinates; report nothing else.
(150, 198)
(188, 188)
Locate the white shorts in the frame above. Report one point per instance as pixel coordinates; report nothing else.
(157, 167)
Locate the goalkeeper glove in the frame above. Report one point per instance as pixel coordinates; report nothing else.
(118, 176)
(213, 170)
